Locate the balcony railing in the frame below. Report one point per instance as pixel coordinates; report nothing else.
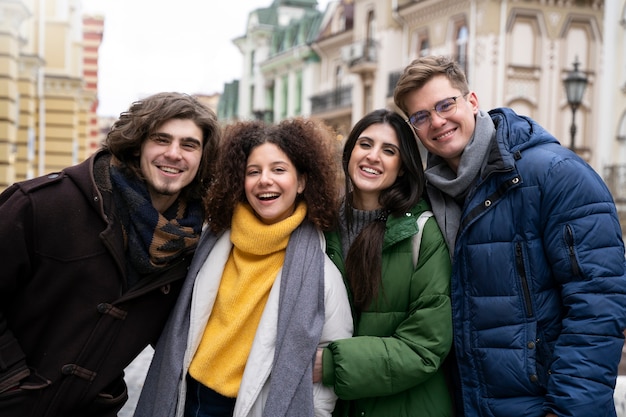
(361, 57)
(332, 100)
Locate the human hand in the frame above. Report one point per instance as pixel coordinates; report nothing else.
(317, 366)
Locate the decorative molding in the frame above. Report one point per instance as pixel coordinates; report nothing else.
(419, 13)
(12, 14)
(63, 85)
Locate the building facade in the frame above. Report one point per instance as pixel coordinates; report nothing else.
(610, 111)
(280, 69)
(516, 53)
(48, 86)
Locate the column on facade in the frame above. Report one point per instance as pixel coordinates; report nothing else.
(62, 122)
(12, 16)
(27, 134)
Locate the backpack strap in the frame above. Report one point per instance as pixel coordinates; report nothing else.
(417, 238)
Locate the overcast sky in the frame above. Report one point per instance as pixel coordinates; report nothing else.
(168, 45)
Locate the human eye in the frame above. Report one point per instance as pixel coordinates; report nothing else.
(419, 118)
(191, 145)
(160, 139)
(445, 106)
(389, 151)
(364, 144)
(251, 172)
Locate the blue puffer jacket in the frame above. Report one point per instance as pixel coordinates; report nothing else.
(538, 287)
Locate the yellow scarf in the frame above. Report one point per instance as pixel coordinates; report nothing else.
(257, 256)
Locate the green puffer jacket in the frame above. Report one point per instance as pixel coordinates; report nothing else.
(392, 365)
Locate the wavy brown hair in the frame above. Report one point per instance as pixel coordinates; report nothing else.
(422, 70)
(308, 143)
(146, 116)
(364, 258)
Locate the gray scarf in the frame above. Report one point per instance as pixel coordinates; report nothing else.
(299, 329)
(300, 323)
(446, 187)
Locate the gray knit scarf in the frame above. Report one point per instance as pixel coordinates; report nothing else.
(300, 322)
(446, 187)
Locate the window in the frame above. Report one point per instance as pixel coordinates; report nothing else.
(284, 97)
(423, 45)
(252, 58)
(461, 40)
(298, 109)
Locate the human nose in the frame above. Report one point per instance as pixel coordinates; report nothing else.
(266, 178)
(373, 154)
(173, 150)
(436, 120)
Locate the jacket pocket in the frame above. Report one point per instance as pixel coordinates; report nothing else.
(543, 359)
(10, 381)
(20, 399)
(112, 397)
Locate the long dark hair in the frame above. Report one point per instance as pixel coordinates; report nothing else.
(364, 258)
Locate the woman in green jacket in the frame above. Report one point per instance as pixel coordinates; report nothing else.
(400, 301)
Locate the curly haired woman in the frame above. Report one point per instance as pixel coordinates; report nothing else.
(261, 294)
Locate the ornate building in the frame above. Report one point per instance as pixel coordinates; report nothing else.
(517, 53)
(280, 68)
(48, 86)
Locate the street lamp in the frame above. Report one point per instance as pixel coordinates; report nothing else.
(575, 84)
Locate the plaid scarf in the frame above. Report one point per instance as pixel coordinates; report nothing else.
(153, 240)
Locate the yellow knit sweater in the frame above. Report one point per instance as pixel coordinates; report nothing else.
(257, 256)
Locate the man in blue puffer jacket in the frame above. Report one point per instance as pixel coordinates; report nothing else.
(538, 281)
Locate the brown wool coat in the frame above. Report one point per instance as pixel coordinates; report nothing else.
(68, 328)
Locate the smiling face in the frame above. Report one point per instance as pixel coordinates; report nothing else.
(374, 165)
(170, 159)
(445, 137)
(272, 183)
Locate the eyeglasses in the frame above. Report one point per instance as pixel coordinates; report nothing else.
(444, 109)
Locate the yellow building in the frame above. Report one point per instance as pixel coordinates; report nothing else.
(48, 86)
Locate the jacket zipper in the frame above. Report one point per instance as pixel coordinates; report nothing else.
(569, 239)
(521, 270)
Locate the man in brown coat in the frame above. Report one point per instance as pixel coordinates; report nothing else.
(92, 259)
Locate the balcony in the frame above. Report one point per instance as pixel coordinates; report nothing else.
(361, 57)
(339, 98)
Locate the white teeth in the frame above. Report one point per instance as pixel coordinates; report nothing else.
(170, 170)
(268, 195)
(445, 135)
(371, 171)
